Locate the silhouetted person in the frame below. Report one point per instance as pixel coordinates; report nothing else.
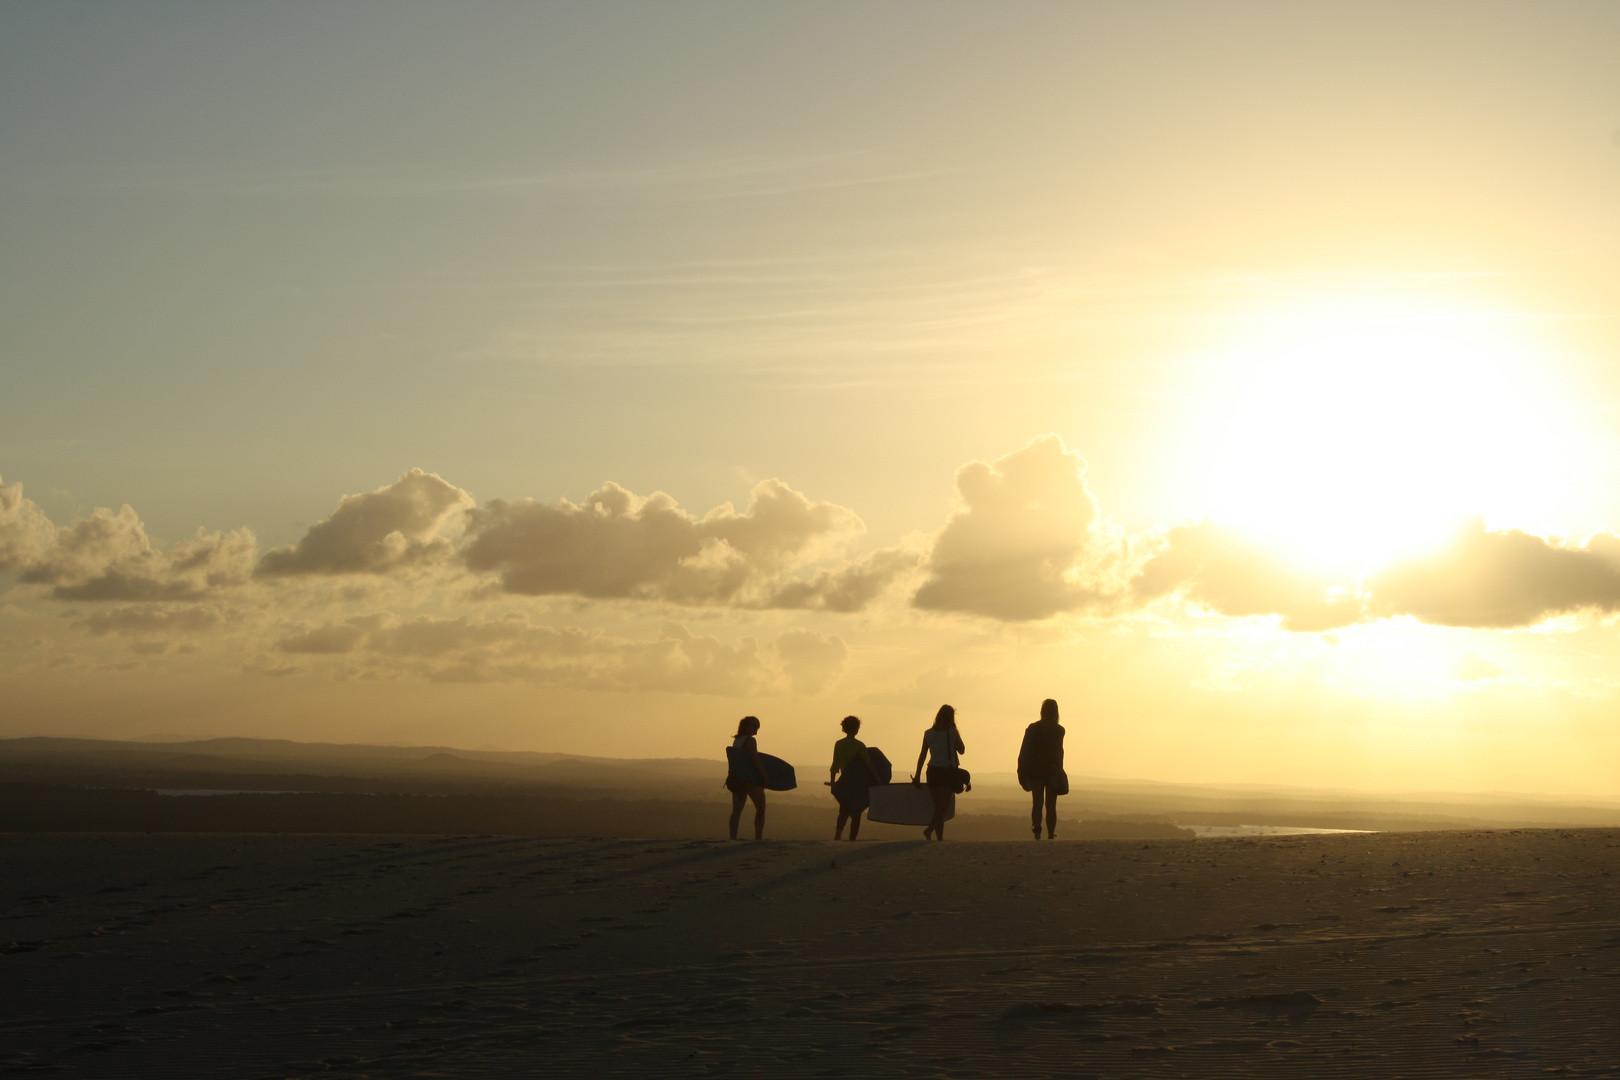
(941, 744)
(741, 787)
(852, 774)
(1040, 768)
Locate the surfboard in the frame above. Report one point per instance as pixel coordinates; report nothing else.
(779, 774)
(904, 804)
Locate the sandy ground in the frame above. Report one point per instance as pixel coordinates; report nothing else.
(1389, 955)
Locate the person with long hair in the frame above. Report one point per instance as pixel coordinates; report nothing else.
(1040, 768)
(743, 788)
(852, 775)
(941, 747)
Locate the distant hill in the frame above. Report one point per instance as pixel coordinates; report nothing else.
(278, 765)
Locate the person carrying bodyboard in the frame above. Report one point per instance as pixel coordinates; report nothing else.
(749, 774)
(942, 747)
(855, 768)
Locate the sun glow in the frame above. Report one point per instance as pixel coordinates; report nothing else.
(1352, 439)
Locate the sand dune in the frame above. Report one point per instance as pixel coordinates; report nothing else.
(1432, 954)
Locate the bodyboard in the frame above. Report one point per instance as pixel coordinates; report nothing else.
(885, 771)
(905, 804)
(778, 773)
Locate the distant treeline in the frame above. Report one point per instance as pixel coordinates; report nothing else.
(64, 808)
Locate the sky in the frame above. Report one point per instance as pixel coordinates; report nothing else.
(582, 377)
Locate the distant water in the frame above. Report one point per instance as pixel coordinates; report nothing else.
(1228, 832)
(224, 791)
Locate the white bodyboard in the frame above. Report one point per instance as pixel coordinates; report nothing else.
(904, 804)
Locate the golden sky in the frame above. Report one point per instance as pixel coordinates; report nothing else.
(582, 377)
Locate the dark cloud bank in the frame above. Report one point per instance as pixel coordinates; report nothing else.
(1027, 542)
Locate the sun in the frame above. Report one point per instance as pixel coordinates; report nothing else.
(1354, 437)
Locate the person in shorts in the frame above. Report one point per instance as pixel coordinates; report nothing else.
(942, 747)
(743, 788)
(851, 777)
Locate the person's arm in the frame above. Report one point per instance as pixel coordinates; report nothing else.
(832, 773)
(1058, 757)
(961, 747)
(921, 755)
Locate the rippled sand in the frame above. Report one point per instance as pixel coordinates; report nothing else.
(1428, 954)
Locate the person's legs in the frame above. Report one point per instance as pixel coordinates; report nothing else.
(758, 795)
(737, 800)
(1035, 812)
(855, 825)
(838, 833)
(1051, 814)
(942, 802)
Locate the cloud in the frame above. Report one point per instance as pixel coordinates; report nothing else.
(143, 621)
(812, 661)
(108, 556)
(1482, 579)
(514, 649)
(270, 668)
(1215, 569)
(621, 545)
(846, 588)
(391, 530)
(26, 534)
(1026, 543)
(325, 640)
(616, 545)
(1500, 579)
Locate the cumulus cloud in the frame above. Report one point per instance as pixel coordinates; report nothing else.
(1215, 569)
(846, 588)
(512, 648)
(1027, 541)
(1481, 579)
(1501, 579)
(26, 534)
(108, 555)
(621, 545)
(394, 529)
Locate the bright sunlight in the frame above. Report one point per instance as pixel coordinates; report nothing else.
(1358, 438)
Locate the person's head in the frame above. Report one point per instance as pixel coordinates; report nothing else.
(851, 724)
(946, 717)
(1049, 710)
(748, 725)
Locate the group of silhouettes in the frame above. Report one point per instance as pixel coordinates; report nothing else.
(854, 772)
